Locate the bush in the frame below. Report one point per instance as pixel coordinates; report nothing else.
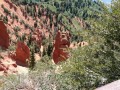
(50, 49)
(6, 11)
(5, 19)
(16, 28)
(22, 22)
(26, 25)
(41, 78)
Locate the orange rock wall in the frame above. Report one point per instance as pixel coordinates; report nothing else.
(60, 51)
(22, 54)
(4, 37)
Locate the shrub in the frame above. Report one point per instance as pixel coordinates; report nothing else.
(49, 50)
(5, 19)
(6, 11)
(26, 26)
(0, 18)
(22, 22)
(16, 28)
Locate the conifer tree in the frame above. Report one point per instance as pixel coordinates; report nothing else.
(32, 59)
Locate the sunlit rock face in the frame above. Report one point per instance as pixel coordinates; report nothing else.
(22, 54)
(61, 45)
(4, 37)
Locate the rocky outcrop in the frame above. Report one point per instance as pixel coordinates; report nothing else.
(83, 43)
(22, 54)
(4, 37)
(61, 45)
(75, 45)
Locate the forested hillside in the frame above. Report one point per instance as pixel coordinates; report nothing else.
(81, 8)
(92, 45)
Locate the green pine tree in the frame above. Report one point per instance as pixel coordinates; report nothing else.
(32, 60)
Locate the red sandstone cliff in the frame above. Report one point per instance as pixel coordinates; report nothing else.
(4, 37)
(61, 45)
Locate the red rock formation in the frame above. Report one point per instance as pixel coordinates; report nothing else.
(22, 54)
(62, 42)
(4, 37)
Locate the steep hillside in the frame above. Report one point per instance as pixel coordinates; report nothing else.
(26, 18)
(33, 33)
(36, 26)
(64, 12)
(82, 8)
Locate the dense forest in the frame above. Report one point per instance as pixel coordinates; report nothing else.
(88, 67)
(81, 8)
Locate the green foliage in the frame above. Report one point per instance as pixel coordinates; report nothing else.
(5, 9)
(81, 8)
(12, 48)
(22, 22)
(0, 18)
(50, 49)
(97, 64)
(39, 13)
(32, 59)
(16, 28)
(22, 38)
(88, 67)
(112, 44)
(5, 19)
(29, 40)
(81, 71)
